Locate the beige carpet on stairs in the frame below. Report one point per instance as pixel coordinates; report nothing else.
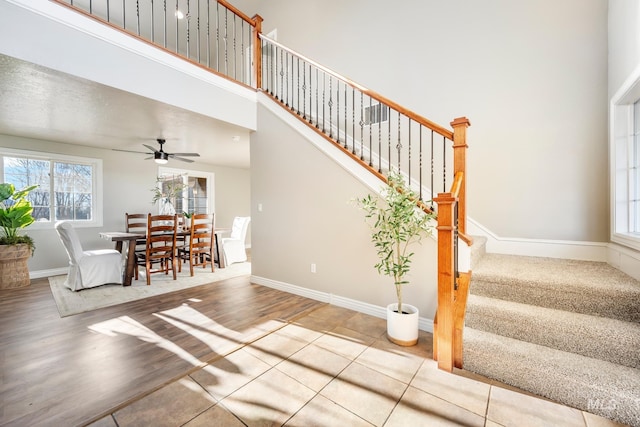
(70, 302)
(562, 329)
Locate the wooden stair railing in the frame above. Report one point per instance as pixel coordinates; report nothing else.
(376, 132)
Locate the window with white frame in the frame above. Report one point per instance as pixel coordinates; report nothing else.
(197, 196)
(69, 187)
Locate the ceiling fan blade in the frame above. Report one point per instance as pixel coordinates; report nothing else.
(186, 154)
(153, 150)
(149, 158)
(180, 158)
(130, 151)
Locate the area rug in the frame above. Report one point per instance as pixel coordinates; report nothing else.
(70, 302)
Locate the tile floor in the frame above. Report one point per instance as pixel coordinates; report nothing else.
(334, 367)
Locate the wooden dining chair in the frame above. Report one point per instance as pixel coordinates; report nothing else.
(136, 223)
(160, 248)
(199, 251)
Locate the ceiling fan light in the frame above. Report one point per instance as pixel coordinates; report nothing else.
(160, 157)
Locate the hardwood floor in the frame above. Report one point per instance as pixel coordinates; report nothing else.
(73, 370)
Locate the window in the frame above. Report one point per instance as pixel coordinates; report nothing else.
(197, 196)
(68, 187)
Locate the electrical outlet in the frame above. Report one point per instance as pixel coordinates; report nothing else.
(313, 268)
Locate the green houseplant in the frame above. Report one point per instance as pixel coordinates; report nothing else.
(15, 249)
(165, 192)
(396, 223)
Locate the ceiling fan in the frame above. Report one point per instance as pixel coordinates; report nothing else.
(162, 157)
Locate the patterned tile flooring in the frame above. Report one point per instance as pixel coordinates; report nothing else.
(335, 367)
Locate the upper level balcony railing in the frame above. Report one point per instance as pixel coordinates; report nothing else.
(213, 34)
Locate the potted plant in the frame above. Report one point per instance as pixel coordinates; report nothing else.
(396, 223)
(187, 218)
(166, 192)
(15, 249)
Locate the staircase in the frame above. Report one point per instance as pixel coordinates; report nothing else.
(562, 329)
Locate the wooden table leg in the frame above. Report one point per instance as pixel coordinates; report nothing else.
(131, 262)
(219, 252)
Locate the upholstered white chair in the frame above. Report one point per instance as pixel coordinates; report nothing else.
(88, 269)
(233, 246)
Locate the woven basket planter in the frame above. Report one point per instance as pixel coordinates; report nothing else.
(14, 271)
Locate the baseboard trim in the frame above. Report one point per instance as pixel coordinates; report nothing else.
(39, 274)
(424, 324)
(567, 249)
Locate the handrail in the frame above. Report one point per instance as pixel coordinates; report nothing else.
(369, 127)
(418, 118)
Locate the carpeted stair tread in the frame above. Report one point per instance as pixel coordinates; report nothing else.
(592, 385)
(586, 287)
(612, 340)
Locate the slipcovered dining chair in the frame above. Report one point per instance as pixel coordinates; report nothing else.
(233, 246)
(88, 269)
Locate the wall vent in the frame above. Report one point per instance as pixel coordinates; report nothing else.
(377, 113)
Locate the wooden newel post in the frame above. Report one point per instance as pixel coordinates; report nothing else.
(460, 146)
(257, 51)
(446, 281)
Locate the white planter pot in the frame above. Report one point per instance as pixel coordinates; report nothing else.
(402, 329)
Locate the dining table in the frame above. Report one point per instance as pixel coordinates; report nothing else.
(119, 237)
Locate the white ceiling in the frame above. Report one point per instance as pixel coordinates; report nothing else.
(37, 102)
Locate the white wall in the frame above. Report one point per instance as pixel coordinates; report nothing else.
(127, 182)
(624, 41)
(307, 217)
(47, 34)
(530, 75)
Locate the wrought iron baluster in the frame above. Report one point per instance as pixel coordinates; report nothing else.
(281, 98)
(124, 18)
(379, 137)
(432, 168)
(346, 87)
(235, 52)
(338, 110)
(164, 8)
(444, 164)
(188, 18)
(310, 95)
(389, 143)
(409, 150)
(243, 70)
(208, 34)
(353, 120)
(304, 90)
(420, 163)
(330, 106)
(153, 30)
(217, 36)
(371, 137)
(198, 33)
(298, 85)
(399, 144)
(324, 87)
(226, 41)
(362, 127)
(317, 100)
(177, 49)
(138, 17)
